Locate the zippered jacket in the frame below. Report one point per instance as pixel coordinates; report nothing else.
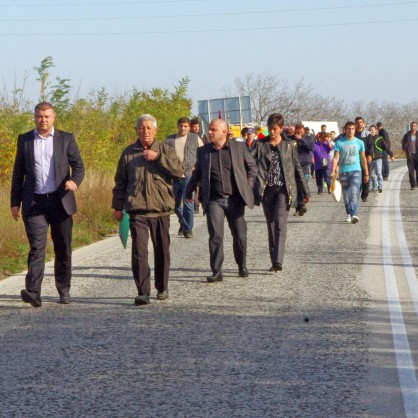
(145, 187)
(407, 144)
(376, 145)
(292, 170)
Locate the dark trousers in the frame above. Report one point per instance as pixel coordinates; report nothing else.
(321, 176)
(47, 210)
(364, 188)
(276, 211)
(159, 228)
(301, 198)
(385, 165)
(216, 211)
(412, 164)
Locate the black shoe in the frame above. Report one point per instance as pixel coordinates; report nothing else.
(243, 272)
(385, 178)
(162, 295)
(364, 199)
(302, 211)
(412, 187)
(319, 191)
(217, 277)
(380, 190)
(27, 297)
(276, 267)
(181, 231)
(188, 234)
(65, 299)
(142, 300)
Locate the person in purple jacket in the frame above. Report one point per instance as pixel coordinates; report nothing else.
(322, 160)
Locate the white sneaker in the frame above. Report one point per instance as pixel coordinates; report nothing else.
(354, 219)
(348, 218)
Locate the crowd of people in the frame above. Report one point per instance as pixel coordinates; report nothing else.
(221, 173)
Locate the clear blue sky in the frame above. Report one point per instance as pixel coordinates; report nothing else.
(353, 49)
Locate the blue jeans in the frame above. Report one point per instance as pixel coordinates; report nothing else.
(321, 176)
(376, 172)
(185, 211)
(350, 183)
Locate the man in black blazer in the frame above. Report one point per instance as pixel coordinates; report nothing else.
(48, 170)
(226, 173)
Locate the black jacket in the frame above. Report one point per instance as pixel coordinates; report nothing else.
(305, 146)
(293, 172)
(67, 163)
(244, 167)
(407, 144)
(377, 144)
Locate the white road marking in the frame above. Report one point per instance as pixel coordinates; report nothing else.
(404, 361)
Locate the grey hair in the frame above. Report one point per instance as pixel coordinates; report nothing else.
(144, 118)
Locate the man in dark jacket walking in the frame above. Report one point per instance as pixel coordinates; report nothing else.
(305, 146)
(409, 146)
(385, 162)
(377, 146)
(143, 187)
(226, 172)
(48, 171)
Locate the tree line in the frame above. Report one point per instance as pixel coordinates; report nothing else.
(299, 101)
(104, 125)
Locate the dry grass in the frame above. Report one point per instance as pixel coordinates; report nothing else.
(13, 242)
(92, 222)
(94, 199)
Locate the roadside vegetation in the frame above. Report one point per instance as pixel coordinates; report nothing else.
(104, 126)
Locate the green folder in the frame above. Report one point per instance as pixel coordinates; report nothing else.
(124, 229)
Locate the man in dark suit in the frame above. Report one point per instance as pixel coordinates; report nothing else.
(48, 170)
(226, 172)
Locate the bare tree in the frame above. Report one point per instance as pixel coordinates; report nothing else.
(394, 116)
(269, 93)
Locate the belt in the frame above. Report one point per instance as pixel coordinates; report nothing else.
(221, 196)
(47, 195)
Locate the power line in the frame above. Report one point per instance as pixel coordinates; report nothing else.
(100, 4)
(310, 9)
(293, 27)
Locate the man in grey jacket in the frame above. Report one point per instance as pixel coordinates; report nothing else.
(185, 145)
(143, 187)
(226, 172)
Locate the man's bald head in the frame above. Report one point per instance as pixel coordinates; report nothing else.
(218, 130)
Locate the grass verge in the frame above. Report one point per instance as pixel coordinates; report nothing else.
(92, 222)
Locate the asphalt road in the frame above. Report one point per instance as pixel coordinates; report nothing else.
(314, 340)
